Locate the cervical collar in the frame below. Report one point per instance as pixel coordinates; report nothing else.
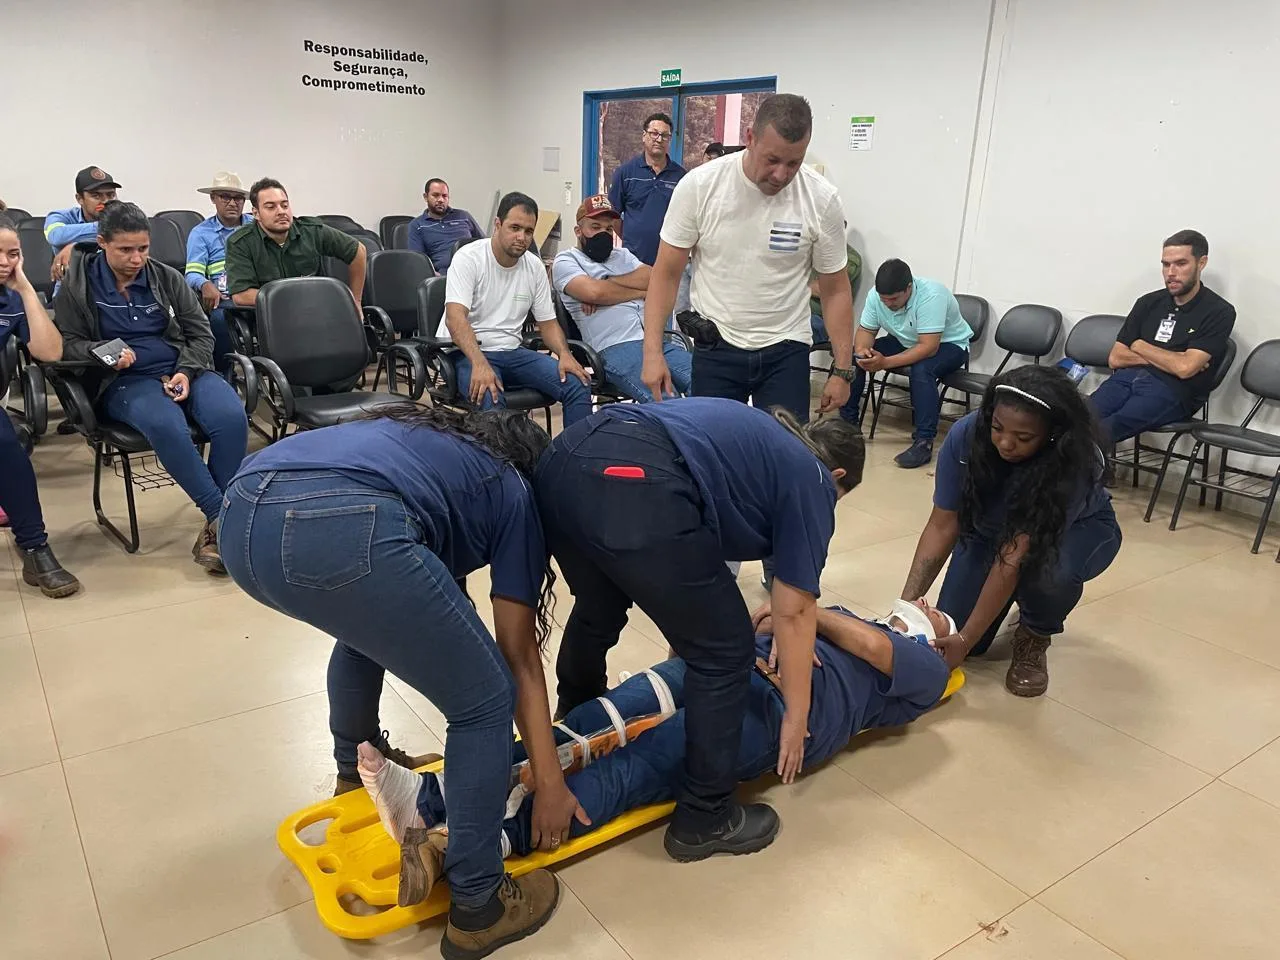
(916, 621)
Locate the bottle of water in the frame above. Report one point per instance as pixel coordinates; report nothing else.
(1076, 371)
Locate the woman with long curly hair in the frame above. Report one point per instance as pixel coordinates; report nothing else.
(1020, 508)
(362, 530)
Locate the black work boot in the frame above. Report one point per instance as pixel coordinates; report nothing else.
(40, 568)
(745, 829)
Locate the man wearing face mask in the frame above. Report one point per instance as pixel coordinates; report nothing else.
(603, 287)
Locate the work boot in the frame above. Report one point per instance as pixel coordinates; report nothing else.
(40, 568)
(1028, 674)
(421, 863)
(526, 903)
(398, 757)
(746, 829)
(205, 550)
(917, 455)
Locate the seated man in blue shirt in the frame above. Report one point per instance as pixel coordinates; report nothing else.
(641, 189)
(926, 338)
(207, 258)
(493, 288)
(437, 230)
(866, 674)
(22, 315)
(95, 188)
(603, 287)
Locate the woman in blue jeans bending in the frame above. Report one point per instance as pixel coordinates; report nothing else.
(114, 290)
(361, 530)
(1020, 509)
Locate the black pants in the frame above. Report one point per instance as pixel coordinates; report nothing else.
(773, 376)
(18, 495)
(620, 540)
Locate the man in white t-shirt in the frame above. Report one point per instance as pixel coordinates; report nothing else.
(758, 224)
(603, 288)
(491, 288)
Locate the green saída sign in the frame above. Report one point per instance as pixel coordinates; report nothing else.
(671, 78)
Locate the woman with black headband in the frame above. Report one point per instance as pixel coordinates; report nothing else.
(1020, 509)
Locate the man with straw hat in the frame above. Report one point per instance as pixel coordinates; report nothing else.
(207, 256)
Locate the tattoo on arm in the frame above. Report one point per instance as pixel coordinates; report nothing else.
(924, 570)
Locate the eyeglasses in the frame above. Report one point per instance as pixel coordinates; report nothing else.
(660, 137)
(229, 197)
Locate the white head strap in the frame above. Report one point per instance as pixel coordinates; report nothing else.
(1023, 394)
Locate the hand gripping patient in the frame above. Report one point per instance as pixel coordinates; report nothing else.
(626, 749)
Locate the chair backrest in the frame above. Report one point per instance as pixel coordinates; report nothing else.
(341, 222)
(1224, 367)
(430, 305)
(400, 237)
(185, 219)
(1091, 339)
(1029, 330)
(567, 323)
(333, 267)
(310, 326)
(167, 245)
(1261, 373)
(392, 284)
(16, 213)
(37, 257)
(8, 368)
(30, 221)
(976, 312)
(386, 229)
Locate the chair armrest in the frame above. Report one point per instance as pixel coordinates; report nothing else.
(280, 387)
(591, 360)
(417, 368)
(241, 324)
(678, 337)
(35, 399)
(378, 323)
(440, 377)
(71, 393)
(249, 377)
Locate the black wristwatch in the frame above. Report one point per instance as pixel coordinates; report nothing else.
(846, 374)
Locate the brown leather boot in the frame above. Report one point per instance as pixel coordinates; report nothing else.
(1028, 674)
(205, 550)
(399, 757)
(528, 903)
(421, 863)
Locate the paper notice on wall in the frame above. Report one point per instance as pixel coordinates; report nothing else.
(861, 130)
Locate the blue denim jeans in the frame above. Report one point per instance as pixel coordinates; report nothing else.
(324, 549)
(19, 497)
(522, 367)
(221, 340)
(648, 769)
(1132, 400)
(213, 405)
(773, 376)
(624, 361)
(1087, 549)
(923, 375)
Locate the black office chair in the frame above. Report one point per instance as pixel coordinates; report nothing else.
(37, 258)
(16, 214)
(311, 335)
(976, 312)
(1028, 330)
(167, 245)
(340, 271)
(17, 369)
(1144, 456)
(186, 221)
(342, 222)
(387, 229)
(30, 221)
(9, 373)
(1090, 341)
(1261, 377)
(392, 286)
(439, 359)
(399, 237)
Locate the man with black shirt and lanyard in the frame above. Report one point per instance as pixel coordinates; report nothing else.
(1169, 348)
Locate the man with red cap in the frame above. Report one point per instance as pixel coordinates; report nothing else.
(95, 188)
(603, 286)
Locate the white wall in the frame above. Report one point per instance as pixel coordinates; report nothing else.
(913, 64)
(162, 95)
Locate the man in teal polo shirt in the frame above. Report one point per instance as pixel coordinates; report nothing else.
(925, 339)
(278, 245)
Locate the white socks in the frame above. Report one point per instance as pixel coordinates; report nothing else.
(394, 791)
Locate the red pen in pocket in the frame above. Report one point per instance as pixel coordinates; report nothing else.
(630, 473)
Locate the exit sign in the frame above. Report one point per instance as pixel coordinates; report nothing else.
(671, 78)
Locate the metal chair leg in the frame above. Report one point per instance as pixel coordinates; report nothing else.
(1137, 454)
(101, 455)
(1222, 479)
(1164, 468)
(878, 406)
(1266, 513)
(1182, 492)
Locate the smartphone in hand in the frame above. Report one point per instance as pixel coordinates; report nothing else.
(109, 353)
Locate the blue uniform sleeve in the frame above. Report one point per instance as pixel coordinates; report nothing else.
(919, 679)
(518, 554)
(197, 260)
(416, 243)
(802, 528)
(476, 232)
(60, 230)
(615, 189)
(948, 477)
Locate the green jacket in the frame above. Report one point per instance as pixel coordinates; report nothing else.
(855, 274)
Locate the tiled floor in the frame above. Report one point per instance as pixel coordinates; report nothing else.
(154, 730)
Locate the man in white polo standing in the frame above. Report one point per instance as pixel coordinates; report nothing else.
(758, 225)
